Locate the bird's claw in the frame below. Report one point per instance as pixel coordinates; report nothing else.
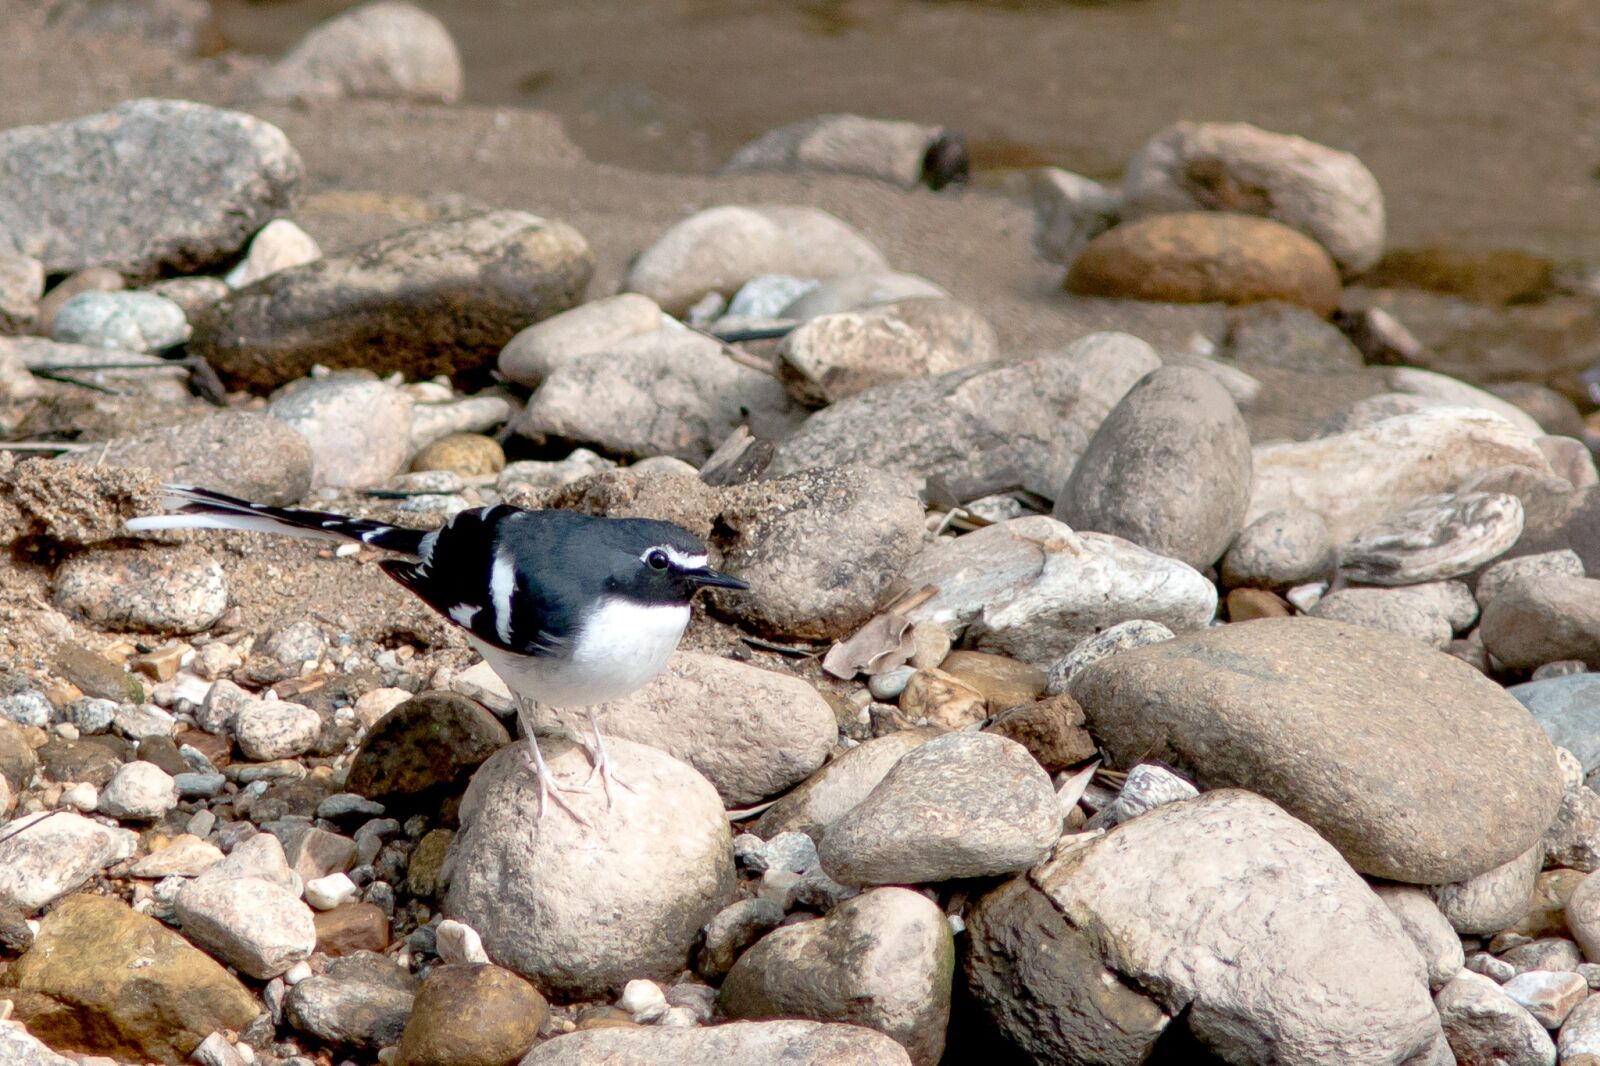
(602, 765)
(550, 790)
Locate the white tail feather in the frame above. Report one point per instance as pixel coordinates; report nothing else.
(255, 522)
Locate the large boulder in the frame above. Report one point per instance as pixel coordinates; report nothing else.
(148, 187)
(434, 299)
(1343, 727)
(1221, 910)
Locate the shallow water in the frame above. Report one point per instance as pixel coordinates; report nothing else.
(1481, 119)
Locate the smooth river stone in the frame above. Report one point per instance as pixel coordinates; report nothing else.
(1434, 537)
(1410, 762)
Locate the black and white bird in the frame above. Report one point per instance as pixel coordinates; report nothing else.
(569, 609)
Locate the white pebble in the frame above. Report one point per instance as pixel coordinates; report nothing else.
(81, 797)
(459, 942)
(297, 973)
(644, 1000)
(326, 893)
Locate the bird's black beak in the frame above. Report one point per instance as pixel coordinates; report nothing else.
(709, 578)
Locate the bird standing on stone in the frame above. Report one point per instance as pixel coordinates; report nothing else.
(568, 609)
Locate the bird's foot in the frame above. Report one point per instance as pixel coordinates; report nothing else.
(550, 790)
(602, 765)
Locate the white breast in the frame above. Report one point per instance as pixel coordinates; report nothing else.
(621, 646)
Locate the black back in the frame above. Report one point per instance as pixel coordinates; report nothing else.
(561, 561)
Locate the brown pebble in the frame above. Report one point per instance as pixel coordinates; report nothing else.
(161, 664)
(1245, 605)
(471, 1014)
(1003, 682)
(351, 927)
(95, 674)
(1051, 729)
(467, 454)
(218, 749)
(604, 1018)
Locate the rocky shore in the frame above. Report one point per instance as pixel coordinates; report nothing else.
(1170, 634)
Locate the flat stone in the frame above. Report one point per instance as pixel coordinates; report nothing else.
(980, 429)
(721, 248)
(1419, 798)
(884, 960)
(833, 356)
(45, 856)
(1032, 588)
(577, 908)
(1433, 538)
(148, 187)
(430, 300)
(1356, 479)
(1548, 996)
(903, 153)
(1175, 429)
(254, 925)
(962, 805)
(348, 1012)
(796, 1041)
(107, 981)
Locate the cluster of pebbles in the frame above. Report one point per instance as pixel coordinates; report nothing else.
(1075, 712)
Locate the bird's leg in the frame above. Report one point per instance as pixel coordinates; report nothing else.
(602, 763)
(550, 789)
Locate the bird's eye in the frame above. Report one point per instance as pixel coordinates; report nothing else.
(657, 560)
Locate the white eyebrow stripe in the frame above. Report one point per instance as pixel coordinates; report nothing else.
(502, 583)
(682, 560)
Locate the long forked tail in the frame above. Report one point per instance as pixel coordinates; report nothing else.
(195, 508)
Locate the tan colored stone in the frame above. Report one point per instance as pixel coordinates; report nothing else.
(1003, 682)
(1203, 257)
(104, 980)
(351, 927)
(943, 699)
(1245, 605)
(471, 1014)
(1051, 729)
(467, 454)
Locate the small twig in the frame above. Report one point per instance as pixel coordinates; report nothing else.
(44, 446)
(743, 358)
(65, 379)
(755, 333)
(799, 651)
(741, 813)
(24, 828)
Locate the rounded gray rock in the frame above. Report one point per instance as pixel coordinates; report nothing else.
(1544, 618)
(1219, 909)
(1497, 578)
(129, 321)
(275, 729)
(582, 909)
(752, 732)
(139, 791)
(1483, 1024)
(150, 186)
(1569, 710)
(721, 248)
(1169, 469)
(386, 49)
(1280, 550)
(820, 548)
(258, 927)
(963, 805)
(825, 796)
(1391, 610)
(884, 959)
(243, 453)
(892, 151)
(530, 356)
(1340, 726)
